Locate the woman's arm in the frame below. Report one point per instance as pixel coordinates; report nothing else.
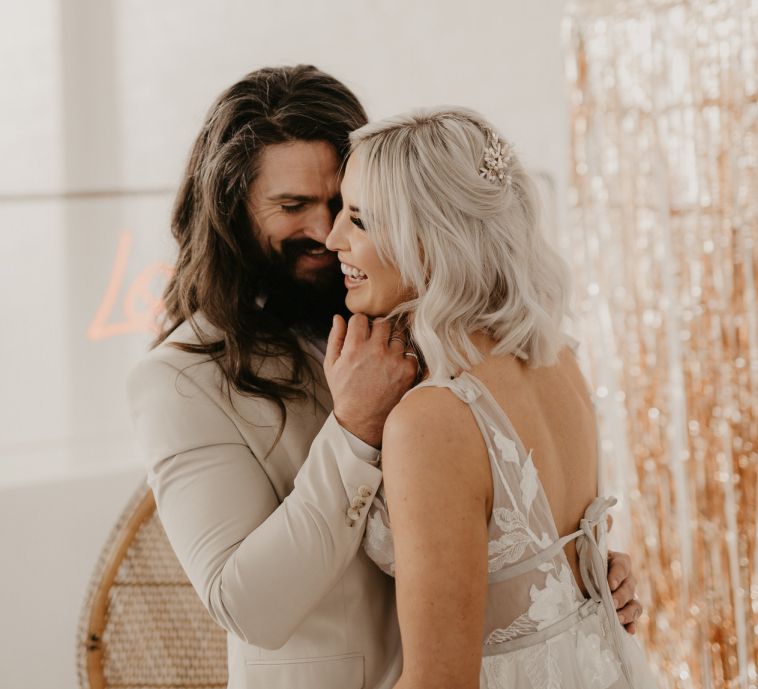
(437, 479)
(259, 567)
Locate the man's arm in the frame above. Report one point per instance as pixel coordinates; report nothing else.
(259, 567)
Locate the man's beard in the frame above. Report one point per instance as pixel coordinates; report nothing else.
(308, 305)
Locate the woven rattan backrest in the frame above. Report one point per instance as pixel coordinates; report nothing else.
(142, 625)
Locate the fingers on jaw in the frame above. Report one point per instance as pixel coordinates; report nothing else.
(381, 325)
(357, 327)
(358, 320)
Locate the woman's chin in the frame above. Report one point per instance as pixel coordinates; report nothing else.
(358, 305)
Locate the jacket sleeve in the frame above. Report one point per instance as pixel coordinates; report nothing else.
(260, 567)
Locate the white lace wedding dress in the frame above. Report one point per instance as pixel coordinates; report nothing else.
(540, 630)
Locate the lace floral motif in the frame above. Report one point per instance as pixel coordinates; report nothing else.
(555, 601)
(379, 544)
(542, 667)
(545, 665)
(537, 663)
(506, 446)
(511, 545)
(514, 522)
(550, 603)
(465, 392)
(599, 667)
(521, 626)
(529, 482)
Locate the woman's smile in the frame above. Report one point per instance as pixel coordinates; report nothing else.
(354, 277)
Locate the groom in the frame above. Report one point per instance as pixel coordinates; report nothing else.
(263, 478)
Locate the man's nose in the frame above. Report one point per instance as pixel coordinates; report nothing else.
(320, 223)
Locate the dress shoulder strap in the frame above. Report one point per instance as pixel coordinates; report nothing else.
(462, 387)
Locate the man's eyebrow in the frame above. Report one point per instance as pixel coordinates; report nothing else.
(287, 196)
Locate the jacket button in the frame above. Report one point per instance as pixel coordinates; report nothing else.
(353, 514)
(364, 491)
(358, 502)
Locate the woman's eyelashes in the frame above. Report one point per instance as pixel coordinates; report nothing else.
(357, 222)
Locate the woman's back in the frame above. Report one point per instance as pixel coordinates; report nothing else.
(549, 618)
(552, 413)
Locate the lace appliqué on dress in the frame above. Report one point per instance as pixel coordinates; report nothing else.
(512, 544)
(536, 662)
(599, 667)
(555, 600)
(378, 542)
(550, 603)
(593, 664)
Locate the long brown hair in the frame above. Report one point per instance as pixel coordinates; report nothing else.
(220, 264)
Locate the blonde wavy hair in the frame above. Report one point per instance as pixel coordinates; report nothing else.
(472, 251)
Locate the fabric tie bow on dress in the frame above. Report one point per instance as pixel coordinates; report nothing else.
(593, 568)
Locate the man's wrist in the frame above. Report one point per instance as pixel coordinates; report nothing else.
(366, 434)
(362, 450)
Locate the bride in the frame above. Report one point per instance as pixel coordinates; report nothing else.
(490, 464)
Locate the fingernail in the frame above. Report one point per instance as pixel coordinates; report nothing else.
(613, 583)
(617, 603)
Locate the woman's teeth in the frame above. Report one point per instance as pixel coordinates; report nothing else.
(353, 272)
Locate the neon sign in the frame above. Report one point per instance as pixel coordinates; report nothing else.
(141, 302)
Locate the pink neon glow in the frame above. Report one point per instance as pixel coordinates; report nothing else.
(140, 305)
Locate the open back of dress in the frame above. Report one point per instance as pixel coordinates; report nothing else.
(540, 629)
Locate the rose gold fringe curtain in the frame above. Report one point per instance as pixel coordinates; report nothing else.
(663, 238)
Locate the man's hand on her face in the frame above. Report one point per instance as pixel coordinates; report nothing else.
(367, 374)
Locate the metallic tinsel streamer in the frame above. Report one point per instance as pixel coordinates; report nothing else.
(664, 243)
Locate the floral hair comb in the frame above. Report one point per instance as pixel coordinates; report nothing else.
(497, 155)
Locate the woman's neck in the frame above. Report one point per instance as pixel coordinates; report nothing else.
(483, 342)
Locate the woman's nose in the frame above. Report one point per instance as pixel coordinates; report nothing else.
(335, 239)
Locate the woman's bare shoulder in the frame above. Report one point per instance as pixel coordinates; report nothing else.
(427, 408)
(431, 422)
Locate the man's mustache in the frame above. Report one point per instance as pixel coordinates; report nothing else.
(293, 248)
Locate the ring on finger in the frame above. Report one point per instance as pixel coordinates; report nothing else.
(412, 355)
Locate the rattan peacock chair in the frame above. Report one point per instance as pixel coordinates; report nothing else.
(142, 624)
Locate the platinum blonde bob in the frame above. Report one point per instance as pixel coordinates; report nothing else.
(472, 251)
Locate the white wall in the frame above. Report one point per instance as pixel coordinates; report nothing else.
(100, 103)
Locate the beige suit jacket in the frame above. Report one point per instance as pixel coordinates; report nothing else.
(267, 542)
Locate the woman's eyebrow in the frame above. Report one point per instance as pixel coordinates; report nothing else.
(354, 209)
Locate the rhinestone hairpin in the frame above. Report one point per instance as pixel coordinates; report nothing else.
(497, 155)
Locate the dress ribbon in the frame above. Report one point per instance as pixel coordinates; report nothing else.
(594, 570)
